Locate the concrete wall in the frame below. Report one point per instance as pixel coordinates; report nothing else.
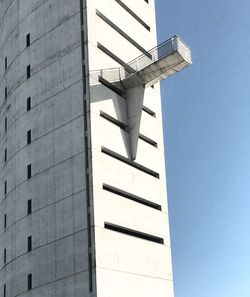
(58, 259)
(126, 265)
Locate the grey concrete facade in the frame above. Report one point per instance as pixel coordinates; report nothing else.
(80, 216)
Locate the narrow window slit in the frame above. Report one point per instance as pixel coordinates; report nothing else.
(149, 111)
(111, 86)
(130, 196)
(134, 15)
(130, 162)
(134, 233)
(148, 140)
(118, 123)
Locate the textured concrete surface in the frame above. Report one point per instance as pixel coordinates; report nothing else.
(127, 265)
(58, 260)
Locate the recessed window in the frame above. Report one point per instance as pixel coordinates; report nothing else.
(29, 287)
(4, 256)
(4, 290)
(5, 221)
(28, 103)
(5, 63)
(29, 171)
(5, 187)
(5, 124)
(28, 71)
(29, 243)
(5, 155)
(133, 232)
(28, 40)
(6, 93)
(29, 206)
(29, 137)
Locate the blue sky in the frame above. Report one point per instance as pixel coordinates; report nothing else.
(206, 112)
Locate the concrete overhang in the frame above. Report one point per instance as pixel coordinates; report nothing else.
(161, 62)
(131, 80)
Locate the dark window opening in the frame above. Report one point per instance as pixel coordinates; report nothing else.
(29, 171)
(29, 243)
(5, 155)
(109, 118)
(5, 124)
(130, 196)
(29, 281)
(28, 40)
(4, 256)
(90, 273)
(5, 63)
(28, 103)
(124, 6)
(129, 162)
(112, 87)
(5, 187)
(29, 206)
(29, 137)
(122, 33)
(6, 93)
(28, 71)
(5, 221)
(149, 111)
(148, 140)
(134, 233)
(4, 290)
(115, 57)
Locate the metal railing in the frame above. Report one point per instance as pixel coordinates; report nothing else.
(157, 53)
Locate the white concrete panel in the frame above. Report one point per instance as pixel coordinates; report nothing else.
(120, 252)
(121, 18)
(118, 283)
(103, 99)
(111, 171)
(119, 210)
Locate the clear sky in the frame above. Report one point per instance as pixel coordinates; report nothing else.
(206, 112)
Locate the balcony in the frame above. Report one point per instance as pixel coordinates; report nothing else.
(157, 64)
(144, 71)
(161, 62)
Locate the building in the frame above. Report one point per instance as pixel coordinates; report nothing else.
(83, 207)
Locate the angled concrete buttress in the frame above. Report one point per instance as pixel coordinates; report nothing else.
(146, 70)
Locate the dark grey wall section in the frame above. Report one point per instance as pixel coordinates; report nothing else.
(58, 260)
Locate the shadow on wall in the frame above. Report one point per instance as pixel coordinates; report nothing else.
(127, 102)
(99, 93)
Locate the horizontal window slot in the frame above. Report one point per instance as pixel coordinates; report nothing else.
(131, 196)
(130, 162)
(115, 57)
(133, 14)
(118, 123)
(148, 140)
(134, 233)
(122, 33)
(112, 87)
(149, 111)
(124, 127)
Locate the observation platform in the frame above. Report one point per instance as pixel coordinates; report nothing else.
(161, 62)
(157, 64)
(144, 71)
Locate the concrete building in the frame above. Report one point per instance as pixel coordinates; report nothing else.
(83, 207)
